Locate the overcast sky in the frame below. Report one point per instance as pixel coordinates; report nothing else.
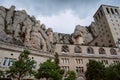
(61, 15)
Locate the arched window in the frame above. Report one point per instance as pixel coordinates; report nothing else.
(90, 50)
(113, 51)
(116, 11)
(102, 51)
(77, 49)
(112, 11)
(65, 48)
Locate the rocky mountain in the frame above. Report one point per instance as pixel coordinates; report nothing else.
(17, 27)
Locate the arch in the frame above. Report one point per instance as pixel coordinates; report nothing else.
(65, 48)
(77, 49)
(102, 51)
(112, 11)
(113, 51)
(90, 50)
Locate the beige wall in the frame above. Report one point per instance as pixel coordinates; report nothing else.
(84, 56)
(107, 26)
(7, 51)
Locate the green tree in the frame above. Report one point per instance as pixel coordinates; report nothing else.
(56, 58)
(70, 75)
(48, 70)
(21, 67)
(95, 71)
(2, 74)
(113, 72)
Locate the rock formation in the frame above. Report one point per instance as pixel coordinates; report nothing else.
(84, 33)
(17, 27)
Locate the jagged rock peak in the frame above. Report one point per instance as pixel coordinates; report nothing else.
(18, 28)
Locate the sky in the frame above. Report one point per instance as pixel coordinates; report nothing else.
(60, 15)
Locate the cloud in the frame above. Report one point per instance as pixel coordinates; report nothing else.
(64, 22)
(61, 15)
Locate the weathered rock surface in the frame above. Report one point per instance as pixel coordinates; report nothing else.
(17, 27)
(84, 33)
(62, 38)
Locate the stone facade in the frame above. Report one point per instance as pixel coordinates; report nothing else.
(19, 31)
(106, 25)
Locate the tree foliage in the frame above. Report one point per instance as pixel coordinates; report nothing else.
(70, 75)
(95, 70)
(113, 72)
(48, 70)
(56, 58)
(2, 74)
(22, 67)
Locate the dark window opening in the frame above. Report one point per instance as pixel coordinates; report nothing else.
(112, 11)
(102, 51)
(116, 11)
(99, 15)
(107, 10)
(96, 44)
(101, 12)
(109, 41)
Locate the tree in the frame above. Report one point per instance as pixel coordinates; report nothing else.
(113, 72)
(70, 75)
(48, 70)
(95, 71)
(22, 67)
(2, 74)
(56, 58)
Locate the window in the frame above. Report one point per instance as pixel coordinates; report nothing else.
(80, 69)
(116, 61)
(65, 48)
(109, 41)
(77, 49)
(101, 12)
(102, 51)
(101, 40)
(90, 50)
(116, 33)
(112, 11)
(105, 62)
(10, 62)
(118, 25)
(7, 62)
(79, 61)
(116, 20)
(96, 44)
(114, 28)
(113, 52)
(107, 10)
(112, 20)
(116, 11)
(99, 15)
(65, 60)
(66, 68)
(96, 18)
